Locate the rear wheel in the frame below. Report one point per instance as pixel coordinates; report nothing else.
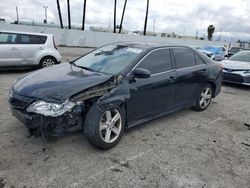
(104, 128)
(205, 98)
(47, 62)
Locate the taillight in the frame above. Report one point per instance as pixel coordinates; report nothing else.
(54, 42)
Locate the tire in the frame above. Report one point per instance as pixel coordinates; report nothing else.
(205, 97)
(99, 129)
(47, 62)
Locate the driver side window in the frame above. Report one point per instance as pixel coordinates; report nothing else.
(157, 61)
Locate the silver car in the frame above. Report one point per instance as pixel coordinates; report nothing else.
(21, 49)
(237, 68)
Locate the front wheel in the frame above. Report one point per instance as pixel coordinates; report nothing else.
(205, 98)
(104, 128)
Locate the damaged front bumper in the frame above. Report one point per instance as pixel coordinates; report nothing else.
(38, 124)
(53, 126)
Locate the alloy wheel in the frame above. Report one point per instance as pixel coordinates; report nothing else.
(48, 62)
(110, 125)
(206, 96)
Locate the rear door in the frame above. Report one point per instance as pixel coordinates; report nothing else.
(9, 53)
(30, 46)
(153, 95)
(191, 75)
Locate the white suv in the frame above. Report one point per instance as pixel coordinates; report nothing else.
(27, 49)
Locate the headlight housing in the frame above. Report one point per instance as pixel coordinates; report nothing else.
(50, 109)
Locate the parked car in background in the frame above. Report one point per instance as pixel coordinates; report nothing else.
(22, 49)
(116, 86)
(215, 53)
(234, 50)
(237, 68)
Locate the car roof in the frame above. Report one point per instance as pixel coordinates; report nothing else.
(22, 32)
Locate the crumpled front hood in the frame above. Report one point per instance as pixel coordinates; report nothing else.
(236, 65)
(58, 83)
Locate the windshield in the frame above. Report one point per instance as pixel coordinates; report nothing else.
(110, 59)
(241, 56)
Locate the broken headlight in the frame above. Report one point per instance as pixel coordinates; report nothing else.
(50, 109)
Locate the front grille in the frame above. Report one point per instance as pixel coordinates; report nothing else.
(18, 101)
(233, 77)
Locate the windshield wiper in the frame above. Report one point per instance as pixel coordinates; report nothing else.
(82, 67)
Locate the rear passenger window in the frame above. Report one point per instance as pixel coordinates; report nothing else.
(199, 61)
(157, 61)
(184, 58)
(31, 39)
(8, 38)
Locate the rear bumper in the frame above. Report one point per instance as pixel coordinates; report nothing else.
(218, 84)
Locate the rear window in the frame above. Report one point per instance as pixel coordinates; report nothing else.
(8, 38)
(184, 58)
(157, 61)
(31, 39)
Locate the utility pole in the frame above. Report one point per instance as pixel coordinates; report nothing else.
(146, 19)
(124, 7)
(115, 17)
(17, 17)
(45, 11)
(220, 34)
(69, 21)
(59, 13)
(154, 20)
(197, 34)
(83, 15)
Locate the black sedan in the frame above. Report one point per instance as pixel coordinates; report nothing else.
(114, 87)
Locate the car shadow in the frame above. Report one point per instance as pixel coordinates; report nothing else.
(237, 86)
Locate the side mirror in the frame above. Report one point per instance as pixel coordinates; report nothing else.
(141, 73)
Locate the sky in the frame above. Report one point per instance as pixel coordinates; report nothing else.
(183, 17)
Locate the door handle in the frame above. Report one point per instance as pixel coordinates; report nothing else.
(171, 79)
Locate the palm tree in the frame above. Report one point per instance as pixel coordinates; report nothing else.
(115, 17)
(146, 19)
(69, 21)
(59, 13)
(124, 7)
(83, 15)
(210, 32)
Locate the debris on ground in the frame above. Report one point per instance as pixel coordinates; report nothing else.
(248, 125)
(245, 144)
(2, 182)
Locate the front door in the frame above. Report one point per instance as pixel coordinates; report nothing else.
(154, 95)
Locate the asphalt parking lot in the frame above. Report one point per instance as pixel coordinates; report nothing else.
(184, 149)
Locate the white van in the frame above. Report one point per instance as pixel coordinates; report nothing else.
(22, 49)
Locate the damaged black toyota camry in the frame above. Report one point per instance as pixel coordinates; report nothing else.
(114, 87)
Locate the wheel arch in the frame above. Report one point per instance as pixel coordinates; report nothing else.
(50, 56)
(212, 83)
